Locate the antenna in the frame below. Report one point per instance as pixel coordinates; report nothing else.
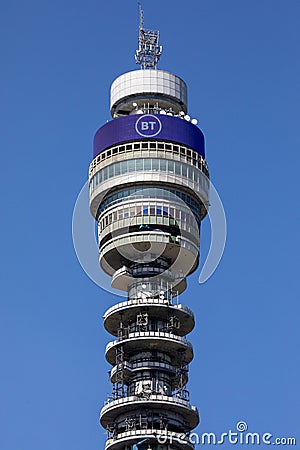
(141, 16)
(149, 52)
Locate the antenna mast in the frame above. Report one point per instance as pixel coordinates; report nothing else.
(149, 52)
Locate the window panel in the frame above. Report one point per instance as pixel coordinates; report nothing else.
(155, 165)
(170, 166)
(139, 164)
(130, 165)
(163, 165)
(105, 171)
(147, 164)
(117, 169)
(111, 170)
(177, 168)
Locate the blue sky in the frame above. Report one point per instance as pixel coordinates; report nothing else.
(240, 61)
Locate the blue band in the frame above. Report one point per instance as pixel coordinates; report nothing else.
(149, 127)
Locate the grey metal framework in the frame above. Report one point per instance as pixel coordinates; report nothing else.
(149, 52)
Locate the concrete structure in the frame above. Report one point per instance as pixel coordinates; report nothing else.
(148, 193)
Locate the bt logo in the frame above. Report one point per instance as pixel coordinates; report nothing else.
(148, 125)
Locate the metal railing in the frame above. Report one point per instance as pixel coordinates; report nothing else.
(152, 397)
(148, 432)
(151, 334)
(146, 301)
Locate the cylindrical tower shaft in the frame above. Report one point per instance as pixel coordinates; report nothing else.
(148, 192)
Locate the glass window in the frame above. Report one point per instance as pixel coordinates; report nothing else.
(184, 170)
(139, 164)
(163, 165)
(158, 210)
(152, 211)
(155, 164)
(177, 168)
(189, 175)
(147, 164)
(131, 165)
(126, 212)
(170, 166)
(111, 170)
(166, 211)
(192, 174)
(105, 173)
(117, 169)
(145, 211)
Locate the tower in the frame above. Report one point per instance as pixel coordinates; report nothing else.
(149, 193)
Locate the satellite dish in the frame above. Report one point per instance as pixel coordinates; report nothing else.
(182, 113)
(187, 117)
(162, 111)
(140, 111)
(194, 121)
(169, 114)
(134, 105)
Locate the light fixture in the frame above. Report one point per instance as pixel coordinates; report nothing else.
(194, 121)
(187, 117)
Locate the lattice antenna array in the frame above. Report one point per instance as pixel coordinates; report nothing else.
(149, 52)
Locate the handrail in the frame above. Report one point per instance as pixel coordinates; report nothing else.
(156, 397)
(150, 334)
(152, 432)
(147, 301)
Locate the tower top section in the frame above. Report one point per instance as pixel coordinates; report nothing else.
(149, 52)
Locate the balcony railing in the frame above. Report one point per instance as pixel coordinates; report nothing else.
(146, 301)
(152, 397)
(169, 436)
(150, 334)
